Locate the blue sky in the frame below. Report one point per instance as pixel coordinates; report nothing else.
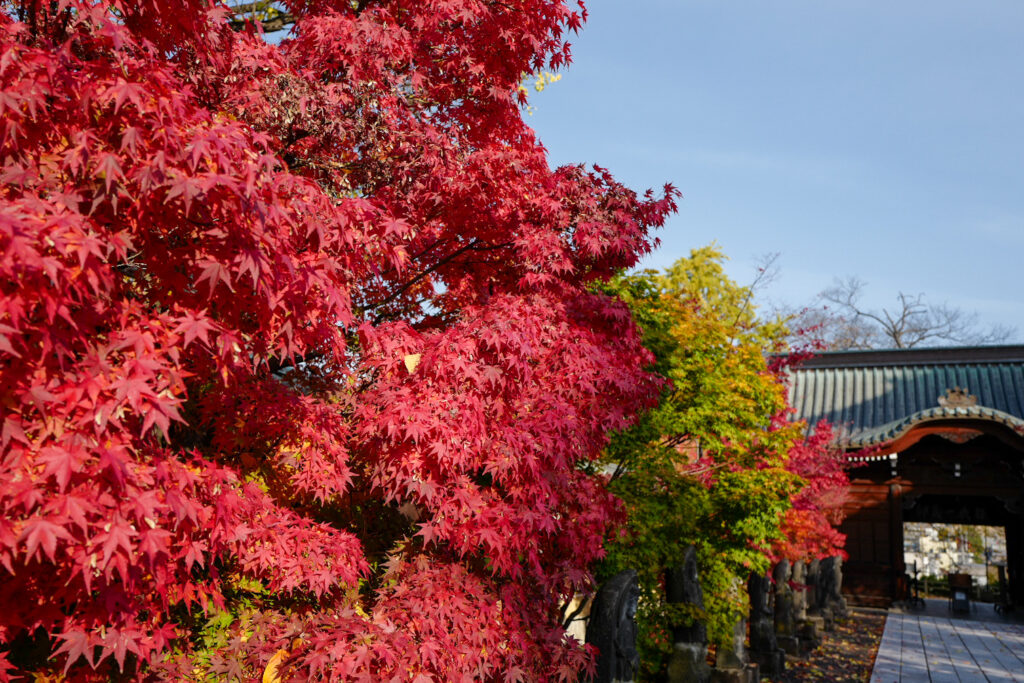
(855, 138)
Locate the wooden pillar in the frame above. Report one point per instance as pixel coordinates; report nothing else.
(896, 566)
(1014, 556)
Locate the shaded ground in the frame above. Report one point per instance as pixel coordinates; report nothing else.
(847, 655)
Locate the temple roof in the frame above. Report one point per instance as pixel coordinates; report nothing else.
(873, 397)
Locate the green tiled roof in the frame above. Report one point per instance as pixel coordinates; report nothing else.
(876, 396)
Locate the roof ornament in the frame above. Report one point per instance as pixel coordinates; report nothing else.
(957, 397)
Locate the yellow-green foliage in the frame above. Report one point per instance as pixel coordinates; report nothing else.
(706, 466)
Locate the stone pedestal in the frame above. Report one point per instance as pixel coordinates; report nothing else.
(688, 664)
(790, 645)
(811, 632)
(765, 651)
(829, 619)
(731, 665)
(748, 674)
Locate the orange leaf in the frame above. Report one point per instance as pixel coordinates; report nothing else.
(270, 673)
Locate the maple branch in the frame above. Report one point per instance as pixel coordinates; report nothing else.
(510, 8)
(473, 245)
(767, 272)
(276, 366)
(620, 469)
(130, 265)
(673, 441)
(433, 245)
(296, 164)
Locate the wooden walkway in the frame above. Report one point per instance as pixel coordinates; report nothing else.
(942, 650)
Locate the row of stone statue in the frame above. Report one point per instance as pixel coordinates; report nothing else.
(789, 612)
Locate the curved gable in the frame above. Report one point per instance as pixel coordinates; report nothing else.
(876, 397)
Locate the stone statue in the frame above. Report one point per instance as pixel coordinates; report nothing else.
(799, 591)
(764, 648)
(825, 588)
(683, 586)
(731, 662)
(733, 655)
(783, 599)
(612, 628)
(821, 576)
(812, 585)
(810, 626)
(834, 600)
(688, 663)
(785, 624)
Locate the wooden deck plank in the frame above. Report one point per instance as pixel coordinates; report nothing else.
(1003, 646)
(994, 659)
(940, 666)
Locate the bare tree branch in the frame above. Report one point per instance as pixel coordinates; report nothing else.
(767, 273)
(843, 323)
(473, 245)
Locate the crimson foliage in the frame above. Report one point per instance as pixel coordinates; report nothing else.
(297, 342)
(809, 527)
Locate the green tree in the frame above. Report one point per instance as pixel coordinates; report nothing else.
(707, 466)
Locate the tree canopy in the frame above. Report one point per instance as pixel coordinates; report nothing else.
(717, 464)
(300, 356)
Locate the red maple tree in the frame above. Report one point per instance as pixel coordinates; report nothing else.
(810, 527)
(300, 335)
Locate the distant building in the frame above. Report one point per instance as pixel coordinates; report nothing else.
(937, 436)
(935, 550)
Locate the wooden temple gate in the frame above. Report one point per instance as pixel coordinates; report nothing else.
(939, 437)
